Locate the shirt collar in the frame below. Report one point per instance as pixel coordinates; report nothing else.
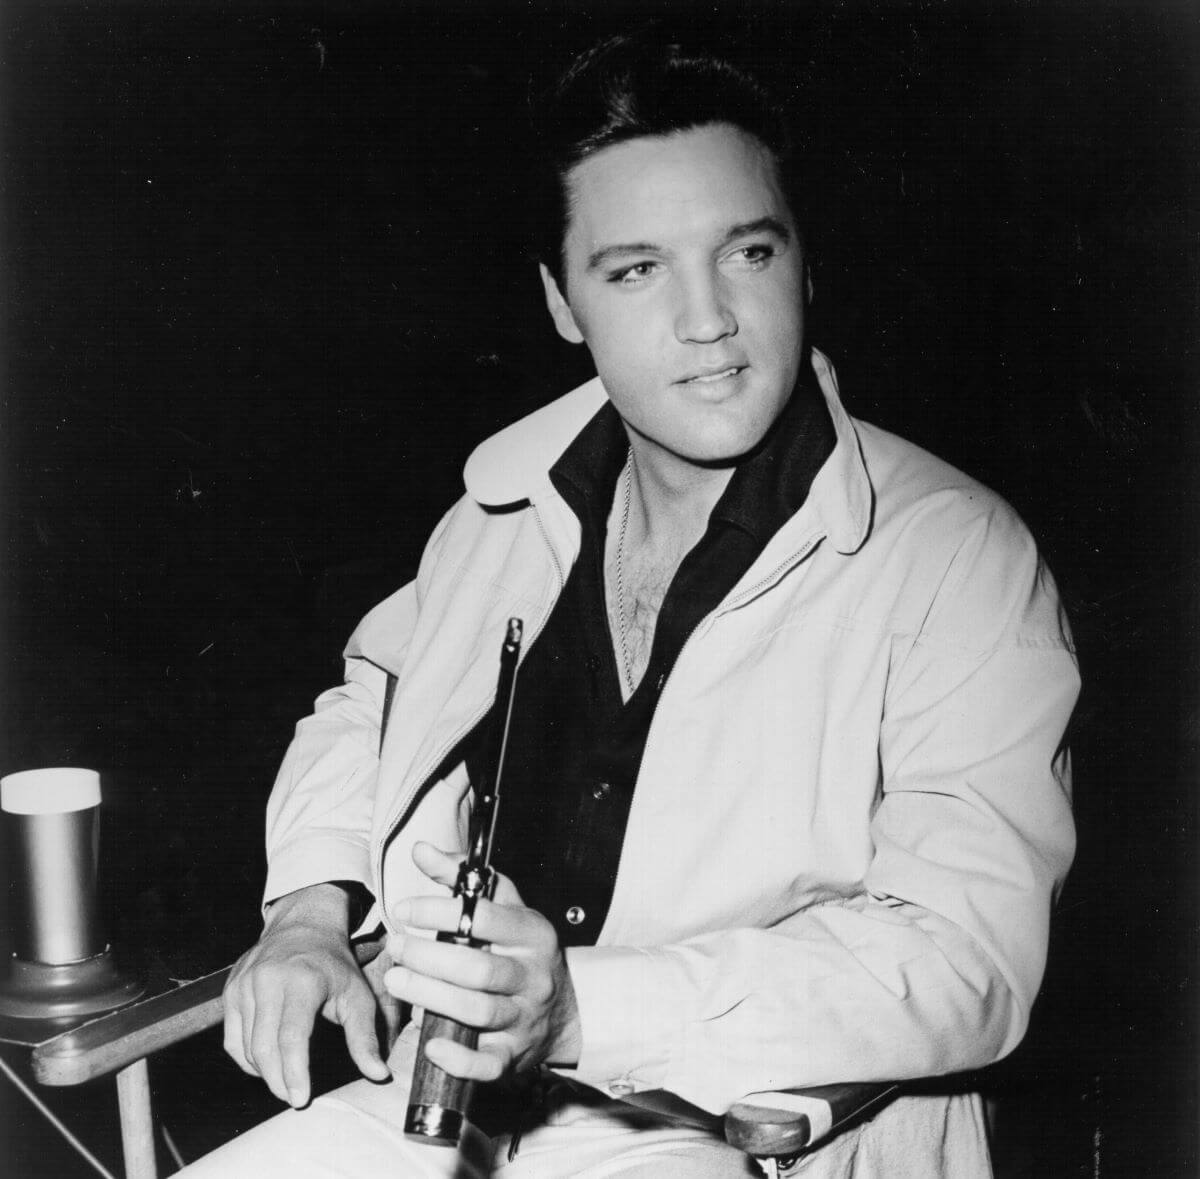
(514, 465)
(592, 463)
(770, 485)
(767, 487)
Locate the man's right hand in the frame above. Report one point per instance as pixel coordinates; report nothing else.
(302, 964)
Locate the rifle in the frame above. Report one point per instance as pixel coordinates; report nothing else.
(764, 1124)
(438, 1102)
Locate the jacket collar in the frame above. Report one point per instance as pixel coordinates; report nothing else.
(513, 466)
(842, 493)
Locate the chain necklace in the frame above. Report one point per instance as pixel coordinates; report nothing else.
(621, 625)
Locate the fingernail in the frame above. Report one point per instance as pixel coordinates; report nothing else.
(401, 912)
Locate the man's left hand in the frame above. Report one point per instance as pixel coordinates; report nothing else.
(518, 992)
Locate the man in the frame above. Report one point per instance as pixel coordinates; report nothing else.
(786, 800)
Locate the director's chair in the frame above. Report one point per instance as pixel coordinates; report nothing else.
(774, 1128)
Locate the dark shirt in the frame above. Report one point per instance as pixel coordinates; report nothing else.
(575, 747)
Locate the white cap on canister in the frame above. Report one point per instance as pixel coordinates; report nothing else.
(49, 792)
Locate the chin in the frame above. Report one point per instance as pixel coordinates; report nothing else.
(722, 452)
(732, 442)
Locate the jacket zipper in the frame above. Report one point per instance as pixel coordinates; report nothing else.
(562, 577)
(461, 732)
(745, 596)
(764, 583)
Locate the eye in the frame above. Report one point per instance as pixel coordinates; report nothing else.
(754, 256)
(631, 276)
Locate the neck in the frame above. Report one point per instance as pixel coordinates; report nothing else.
(671, 499)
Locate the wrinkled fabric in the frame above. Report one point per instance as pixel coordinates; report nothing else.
(853, 809)
(356, 1132)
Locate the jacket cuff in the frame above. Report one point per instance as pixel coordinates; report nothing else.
(632, 1012)
(317, 860)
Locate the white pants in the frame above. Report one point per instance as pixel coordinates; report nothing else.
(356, 1132)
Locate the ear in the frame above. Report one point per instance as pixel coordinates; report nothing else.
(564, 320)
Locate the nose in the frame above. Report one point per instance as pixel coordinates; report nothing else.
(704, 315)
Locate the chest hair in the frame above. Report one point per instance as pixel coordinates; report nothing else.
(645, 577)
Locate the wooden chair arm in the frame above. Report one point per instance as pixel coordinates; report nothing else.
(765, 1125)
(111, 1042)
(781, 1125)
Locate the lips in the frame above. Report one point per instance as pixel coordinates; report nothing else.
(709, 376)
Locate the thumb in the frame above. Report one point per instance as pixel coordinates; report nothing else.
(442, 867)
(439, 866)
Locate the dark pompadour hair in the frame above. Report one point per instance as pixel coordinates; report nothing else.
(629, 87)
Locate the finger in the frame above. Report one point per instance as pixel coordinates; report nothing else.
(234, 1045)
(264, 1047)
(469, 1064)
(393, 1016)
(474, 1009)
(249, 1016)
(442, 867)
(511, 927)
(463, 966)
(358, 1025)
(395, 943)
(291, 1047)
(504, 892)
(433, 913)
(500, 925)
(438, 865)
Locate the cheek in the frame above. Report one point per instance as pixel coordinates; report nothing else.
(775, 300)
(780, 315)
(624, 334)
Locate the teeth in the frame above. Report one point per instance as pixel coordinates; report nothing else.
(716, 376)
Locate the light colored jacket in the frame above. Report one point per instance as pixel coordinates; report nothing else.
(853, 809)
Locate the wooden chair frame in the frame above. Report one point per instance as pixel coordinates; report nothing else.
(774, 1128)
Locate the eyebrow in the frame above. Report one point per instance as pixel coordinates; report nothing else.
(599, 258)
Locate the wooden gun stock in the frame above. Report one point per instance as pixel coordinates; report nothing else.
(437, 1102)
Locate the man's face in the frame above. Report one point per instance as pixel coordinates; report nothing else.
(685, 278)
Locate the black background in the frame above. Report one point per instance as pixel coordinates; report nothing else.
(265, 287)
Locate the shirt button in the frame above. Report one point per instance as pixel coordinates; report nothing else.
(601, 790)
(621, 1088)
(575, 915)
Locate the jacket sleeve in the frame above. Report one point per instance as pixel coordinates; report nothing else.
(933, 965)
(320, 812)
